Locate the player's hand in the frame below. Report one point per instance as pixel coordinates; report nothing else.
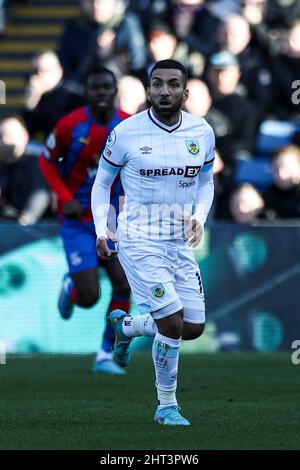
(103, 250)
(73, 210)
(193, 233)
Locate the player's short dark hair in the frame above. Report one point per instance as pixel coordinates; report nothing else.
(171, 64)
(99, 70)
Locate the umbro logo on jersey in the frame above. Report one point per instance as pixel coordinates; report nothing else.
(146, 150)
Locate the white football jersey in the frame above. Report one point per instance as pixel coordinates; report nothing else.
(160, 169)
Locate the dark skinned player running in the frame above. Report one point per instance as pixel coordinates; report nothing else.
(69, 164)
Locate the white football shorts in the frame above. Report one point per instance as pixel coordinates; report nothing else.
(164, 278)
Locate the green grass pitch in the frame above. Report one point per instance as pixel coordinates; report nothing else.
(234, 401)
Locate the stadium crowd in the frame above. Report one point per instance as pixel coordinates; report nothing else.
(243, 60)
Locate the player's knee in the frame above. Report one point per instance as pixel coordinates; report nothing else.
(193, 331)
(171, 326)
(88, 298)
(176, 328)
(199, 329)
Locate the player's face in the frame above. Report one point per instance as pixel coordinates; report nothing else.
(101, 91)
(167, 91)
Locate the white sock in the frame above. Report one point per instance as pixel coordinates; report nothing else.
(103, 355)
(140, 325)
(165, 355)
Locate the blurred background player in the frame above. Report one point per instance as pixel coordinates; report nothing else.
(69, 164)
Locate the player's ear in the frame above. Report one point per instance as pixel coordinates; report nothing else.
(148, 94)
(185, 95)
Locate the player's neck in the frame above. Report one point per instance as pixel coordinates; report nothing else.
(165, 118)
(103, 117)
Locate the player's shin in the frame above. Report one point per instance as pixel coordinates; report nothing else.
(165, 354)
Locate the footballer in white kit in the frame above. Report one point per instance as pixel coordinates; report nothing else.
(167, 175)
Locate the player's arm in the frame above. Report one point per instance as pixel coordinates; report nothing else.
(56, 147)
(205, 195)
(111, 162)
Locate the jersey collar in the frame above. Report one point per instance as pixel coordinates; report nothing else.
(162, 125)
